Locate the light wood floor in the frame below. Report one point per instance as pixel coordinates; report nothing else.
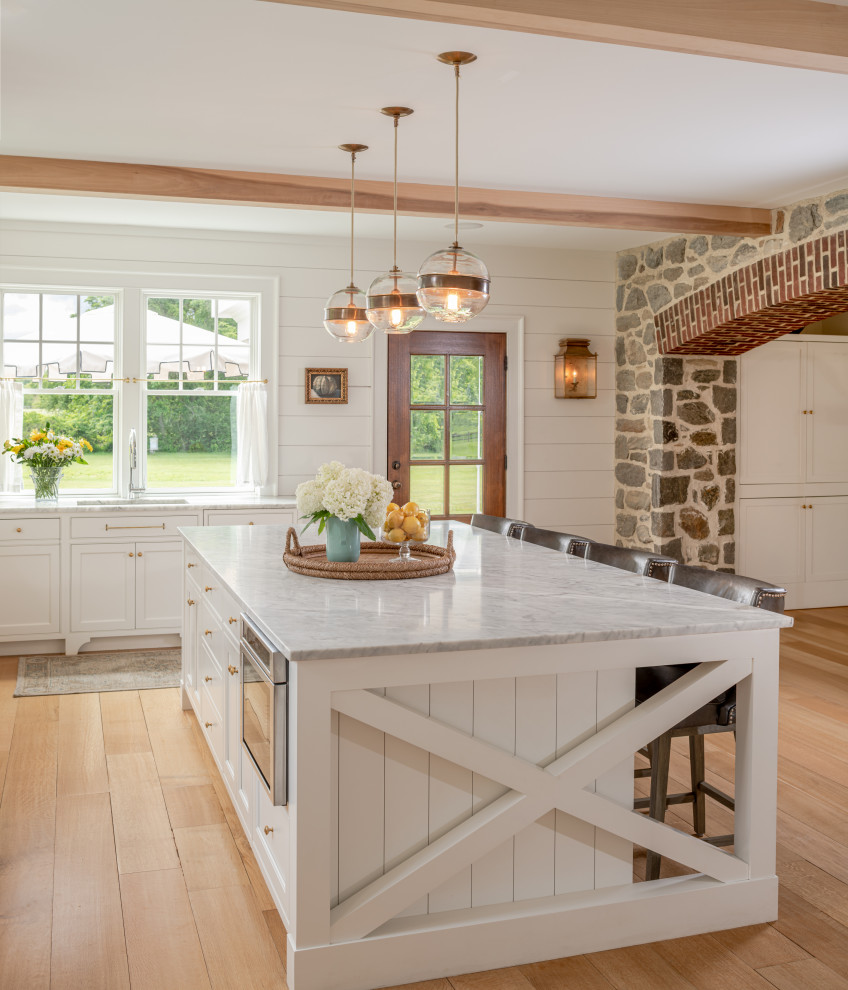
(122, 863)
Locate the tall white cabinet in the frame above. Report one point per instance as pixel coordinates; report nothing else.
(793, 471)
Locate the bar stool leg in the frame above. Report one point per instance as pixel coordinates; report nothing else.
(698, 775)
(660, 761)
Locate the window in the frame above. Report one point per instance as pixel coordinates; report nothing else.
(197, 350)
(61, 346)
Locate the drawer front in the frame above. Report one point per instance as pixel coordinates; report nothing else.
(209, 628)
(271, 841)
(29, 530)
(219, 600)
(191, 560)
(211, 676)
(128, 527)
(212, 724)
(247, 517)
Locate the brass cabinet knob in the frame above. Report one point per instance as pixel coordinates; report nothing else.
(207, 632)
(189, 601)
(19, 530)
(207, 678)
(140, 553)
(132, 555)
(804, 411)
(250, 524)
(811, 412)
(208, 724)
(268, 830)
(231, 620)
(233, 670)
(207, 588)
(191, 565)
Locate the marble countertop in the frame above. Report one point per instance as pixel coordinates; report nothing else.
(24, 505)
(502, 592)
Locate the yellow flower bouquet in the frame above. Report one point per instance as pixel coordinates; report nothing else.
(46, 454)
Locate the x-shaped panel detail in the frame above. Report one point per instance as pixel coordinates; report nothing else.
(533, 792)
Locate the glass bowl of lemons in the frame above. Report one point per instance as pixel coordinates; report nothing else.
(404, 525)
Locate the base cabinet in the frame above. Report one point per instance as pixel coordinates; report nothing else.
(29, 590)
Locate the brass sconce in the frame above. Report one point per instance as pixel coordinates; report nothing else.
(575, 370)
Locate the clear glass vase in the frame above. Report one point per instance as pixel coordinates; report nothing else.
(342, 540)
(45, 482)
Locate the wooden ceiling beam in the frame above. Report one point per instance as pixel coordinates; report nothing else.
(800, 33)
(163, 182)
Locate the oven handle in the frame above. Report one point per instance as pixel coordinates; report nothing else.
(255, 662)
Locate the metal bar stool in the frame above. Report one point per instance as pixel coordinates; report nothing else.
(500, 524)
(636, 561)
(564, 542)
(717, 716)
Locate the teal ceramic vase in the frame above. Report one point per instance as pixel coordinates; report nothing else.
(342, 540)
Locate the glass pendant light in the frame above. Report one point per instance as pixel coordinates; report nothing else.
(453, 285)
(392, 302)
(344, 314)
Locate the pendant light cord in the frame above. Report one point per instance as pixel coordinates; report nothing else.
(352, 165)
(394, 263)
(456, 164)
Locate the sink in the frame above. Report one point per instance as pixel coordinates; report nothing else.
(152, 500)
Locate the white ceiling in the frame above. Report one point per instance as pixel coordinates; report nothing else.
(240, 84)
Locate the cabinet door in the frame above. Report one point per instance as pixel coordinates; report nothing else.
(29, 591)
(827, 397)
(772, 539)
(827, 539)
(772, 430)
(158, 585)
(102, 587)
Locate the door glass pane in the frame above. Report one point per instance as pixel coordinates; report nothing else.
(466, 380)
(427, 435)
(466, 489)
(427, 379)
(427, 487)
(466, 435)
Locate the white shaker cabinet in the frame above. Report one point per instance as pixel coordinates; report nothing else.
(827, 413)
(102, 587)
(158, 584)
(29, 590)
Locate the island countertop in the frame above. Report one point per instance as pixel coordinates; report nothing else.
(501, 593)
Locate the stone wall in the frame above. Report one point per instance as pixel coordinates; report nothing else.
(676, 427)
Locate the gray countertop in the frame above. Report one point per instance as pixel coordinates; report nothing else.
(24, 505)
(501, 593)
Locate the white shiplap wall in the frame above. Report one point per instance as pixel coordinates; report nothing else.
(568, 453)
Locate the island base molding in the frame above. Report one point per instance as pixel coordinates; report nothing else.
(549, 928)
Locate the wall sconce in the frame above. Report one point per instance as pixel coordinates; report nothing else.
(575, 370)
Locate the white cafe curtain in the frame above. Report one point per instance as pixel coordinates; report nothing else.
(252, 427)
(11, 425)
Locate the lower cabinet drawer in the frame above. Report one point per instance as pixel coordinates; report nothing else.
(271, 843)
(212, 724)
(28, 530)
(211, 677)
(244, 517)
(128, 527)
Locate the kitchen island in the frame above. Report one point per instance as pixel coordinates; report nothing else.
(460, 754)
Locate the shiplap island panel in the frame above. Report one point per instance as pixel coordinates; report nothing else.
(460, 755)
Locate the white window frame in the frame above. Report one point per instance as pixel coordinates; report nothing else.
(130, 288)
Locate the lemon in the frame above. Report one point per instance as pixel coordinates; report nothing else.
(397, 536)
(394, 520)
(410, 525)
(410, 508)
(392, 507)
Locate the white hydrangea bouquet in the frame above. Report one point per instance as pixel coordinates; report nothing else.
(349, 494)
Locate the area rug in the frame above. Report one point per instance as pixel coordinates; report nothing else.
(130, 670)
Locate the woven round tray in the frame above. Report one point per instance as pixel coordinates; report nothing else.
(377, 561)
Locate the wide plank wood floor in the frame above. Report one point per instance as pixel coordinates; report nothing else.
(122, 862)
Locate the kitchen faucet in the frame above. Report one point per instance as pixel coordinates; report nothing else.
(134, 490)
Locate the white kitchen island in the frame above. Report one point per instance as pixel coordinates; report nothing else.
(460, 754)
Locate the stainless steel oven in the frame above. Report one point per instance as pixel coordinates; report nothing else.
(264, 709)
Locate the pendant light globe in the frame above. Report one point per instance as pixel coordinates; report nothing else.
(392, 304)
(453, 284)
(344, 314)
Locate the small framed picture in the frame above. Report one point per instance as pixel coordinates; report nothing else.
(326, 385)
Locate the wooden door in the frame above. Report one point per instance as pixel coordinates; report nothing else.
(447, 422)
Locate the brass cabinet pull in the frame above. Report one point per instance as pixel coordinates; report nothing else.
(805, 412)
(208, 724)
(268, 830)
(207, 632)
(207, 588)
(231, 620)
(140, 554)
(19, 530)
(159, 526)
(191, 565)
(190, 601)
(250, 524)
(207, 678)
(131, 555)
(233, 670)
